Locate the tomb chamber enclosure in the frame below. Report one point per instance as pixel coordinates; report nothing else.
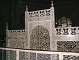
(40, 33)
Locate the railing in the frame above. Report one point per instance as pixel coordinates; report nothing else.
(67, 31)
(19, 54)
(16, 30)
(40, 13)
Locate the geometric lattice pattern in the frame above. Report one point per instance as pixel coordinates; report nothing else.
(40, 38)
(43, 57)
(70, 57)
(39, 13)
(38, 56)
(23, 56)
(10, 55)
(68, 46)
(32, 56)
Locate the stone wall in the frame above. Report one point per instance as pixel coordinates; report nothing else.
(17, 39)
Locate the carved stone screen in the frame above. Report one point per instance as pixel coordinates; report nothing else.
(32, 56)
(43, 57)
(70, 57)
(40, 39)
(10, 55)
(68, 46)
(23, 56)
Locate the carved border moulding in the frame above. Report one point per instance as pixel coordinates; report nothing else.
(34, 14)
(40, 13)
(67, 31)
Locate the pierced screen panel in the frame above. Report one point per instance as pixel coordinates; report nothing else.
(68, 46)
(23, 56)
(70, 57)
(43, 57)
(40, 38)
(10, 55)
(32, 56)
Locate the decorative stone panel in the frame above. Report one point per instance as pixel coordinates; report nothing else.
(67, 34)
(32, 56)
(68, 46)
(43, 57)
(40, 13)
(40, 39)
(24, 56)
(10, 55)
(70, 57)
(17, 40)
